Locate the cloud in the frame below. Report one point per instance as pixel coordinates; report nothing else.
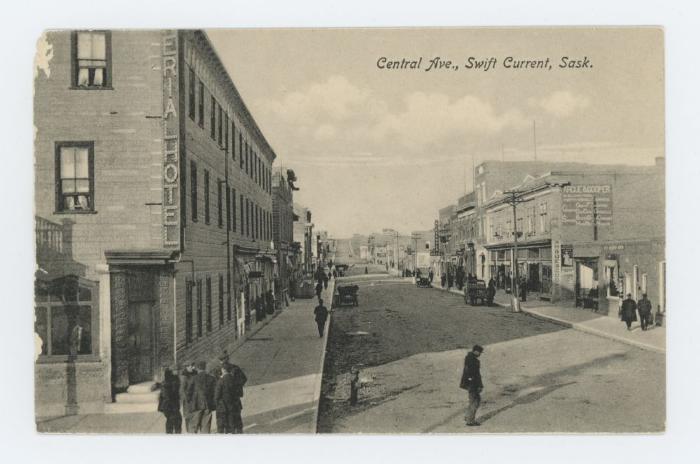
(335, 99)
(432, 117)
(561, 103)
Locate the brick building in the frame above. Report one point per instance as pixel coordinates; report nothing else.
(587, 236)
(153, 213)
(283, 225)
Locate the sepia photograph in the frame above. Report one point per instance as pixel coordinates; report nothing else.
(422, 230)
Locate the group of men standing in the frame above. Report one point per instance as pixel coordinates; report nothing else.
(200, 394)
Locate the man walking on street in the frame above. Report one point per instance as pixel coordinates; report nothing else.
(321, 313)
(644, 308)
(228, 394)
(471, 381)
(203, 399)
(169, 402)
(628, 312)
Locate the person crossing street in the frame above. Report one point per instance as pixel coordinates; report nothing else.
(471, 381)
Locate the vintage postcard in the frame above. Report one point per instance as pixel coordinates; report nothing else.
(386, 231)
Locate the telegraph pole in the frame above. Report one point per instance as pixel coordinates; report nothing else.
(514, 198)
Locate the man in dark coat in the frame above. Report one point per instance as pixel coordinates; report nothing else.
(490, 292)
(169, 402)
(319, 289)
(186, 397)
(644, 308)
(523, 289)
(628, 312)
(227, 395)
(321, 314)
(203, 399)
(325, 280)
(471, 381)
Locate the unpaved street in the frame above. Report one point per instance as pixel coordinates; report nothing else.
(539, 377)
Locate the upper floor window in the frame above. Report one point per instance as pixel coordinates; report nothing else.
(226, 133)
(91, 59)
(543, 217)
(75, 189)
(206, 197)
(193, 189)
(200, 107)
(191, 94)
(212, 127)
(220, 130)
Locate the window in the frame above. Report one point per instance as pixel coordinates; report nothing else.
(193, 187)
(220, 203)
(74, 177)
(543, 217)
(226, 133)
(611, 280)
(64, 316)
(206, 197)
(233, 140)
(531, 221)
(247, 217)
(221, 300)
(192, 100)
(228, 208)
(212, 119)
(199, 307)
(188, 311)
(242, 214)
(220, 131)
(91, 52)
(228, 294)
(233, 212)
(240, 147)
(200, 120)
(208, 289)
(247, 156)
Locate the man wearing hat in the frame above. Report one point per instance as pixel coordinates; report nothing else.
(228, 393)
(203, 399)
(471, 381)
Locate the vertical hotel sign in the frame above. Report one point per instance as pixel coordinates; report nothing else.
(171, 131)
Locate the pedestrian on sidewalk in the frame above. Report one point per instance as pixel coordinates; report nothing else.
(227, 395)
(319, 289)
(490, 292)
(269, 302)
(523, 289)
(431, 275)
(203, 398)
(321, 314)
(644, 308)
(186, 395)
(471, 381)
(292, 288)
(325, 280)
(169, 402)
(628, 311)
(443, 279)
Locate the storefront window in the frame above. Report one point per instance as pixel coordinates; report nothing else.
(64, 316)
(611, 280)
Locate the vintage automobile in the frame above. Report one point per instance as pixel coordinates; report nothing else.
(474, 291)
(423, 281)
(345, 295)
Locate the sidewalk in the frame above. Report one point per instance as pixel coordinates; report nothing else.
(283, 362)
(587, 321)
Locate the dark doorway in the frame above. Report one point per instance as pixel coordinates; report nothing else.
(141, 327)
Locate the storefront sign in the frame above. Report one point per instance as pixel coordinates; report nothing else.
(567, 255)
(171, 157)
(587, 205)
(556, 261)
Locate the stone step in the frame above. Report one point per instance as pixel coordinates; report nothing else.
(150, 397)
(143, 387)
(130, 408)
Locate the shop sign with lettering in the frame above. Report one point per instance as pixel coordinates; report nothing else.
(586, 205)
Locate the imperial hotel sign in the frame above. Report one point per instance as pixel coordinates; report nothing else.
(171, 129)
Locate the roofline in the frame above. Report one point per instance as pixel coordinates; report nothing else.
(217, 61)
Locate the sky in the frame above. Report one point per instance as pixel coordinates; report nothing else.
(386, 148)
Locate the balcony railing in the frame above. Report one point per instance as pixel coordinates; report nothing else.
(49, 235)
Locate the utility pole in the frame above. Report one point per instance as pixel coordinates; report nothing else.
(514, 198)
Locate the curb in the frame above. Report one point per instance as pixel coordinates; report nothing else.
(319, 382)
(575, 325)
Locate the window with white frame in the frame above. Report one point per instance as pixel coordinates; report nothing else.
(543, 217)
